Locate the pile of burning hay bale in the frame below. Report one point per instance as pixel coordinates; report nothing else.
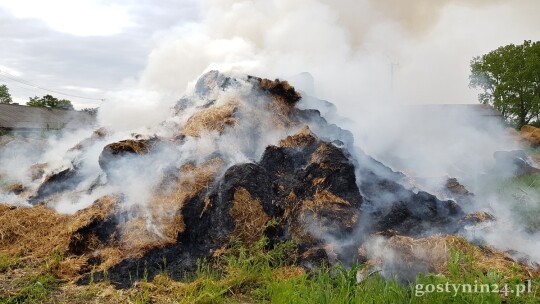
(310, 186)
(531, 135)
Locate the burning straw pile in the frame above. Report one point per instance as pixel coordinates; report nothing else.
(239, 161)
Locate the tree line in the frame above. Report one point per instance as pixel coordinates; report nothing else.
(46, 101)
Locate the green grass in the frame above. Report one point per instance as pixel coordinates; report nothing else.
(334, 285)
(34, 286)
(531, 151)
(246, 275)
(522, 194)
(32, 290)
(7, 262)
(251, 274)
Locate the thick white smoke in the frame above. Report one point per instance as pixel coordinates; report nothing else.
(368, 57)
(350, 47)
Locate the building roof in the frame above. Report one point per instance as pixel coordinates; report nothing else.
(25, 117)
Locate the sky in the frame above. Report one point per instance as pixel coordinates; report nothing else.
(85, 47)
(386, 51)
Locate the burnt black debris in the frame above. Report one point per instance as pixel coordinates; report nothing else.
(278, 88)
(457, 191)
(390, 207)
(453, 185)
(64, 180)
(122, 148)
(320, 177)
(313, 186)
(309, 185)
(100, 229)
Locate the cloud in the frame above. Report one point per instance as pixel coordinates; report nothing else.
(80, 18)
(41, 54)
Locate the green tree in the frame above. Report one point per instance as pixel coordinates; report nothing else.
(5, 97)
(510, 79)
(50, 101)
(35, 102)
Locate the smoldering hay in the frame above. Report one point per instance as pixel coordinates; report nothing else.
(239, 158)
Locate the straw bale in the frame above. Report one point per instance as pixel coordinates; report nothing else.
(284, 98)
(137, 236)
(321, 199)
(531, 135)
(36, 232)
(431, 251)
(455, 187)
(166, 204)
(479, 217)
(248, 216)
(32, 232)
(301, 139)
(129, 145)
(281, 91)
(215, 118)
(85, 143)
(95, 227)
(324, 209)
(320, 153)
(101, 209)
